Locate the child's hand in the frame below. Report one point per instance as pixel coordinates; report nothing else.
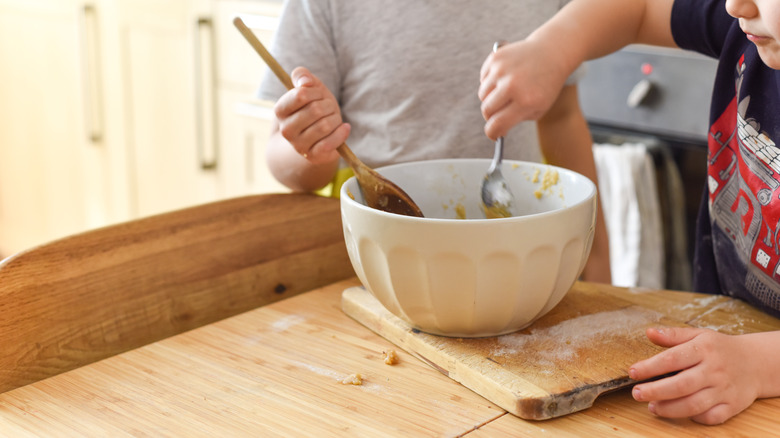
(310, 118)
(719, 375)
(519, 82)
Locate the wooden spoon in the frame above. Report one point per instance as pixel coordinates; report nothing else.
(378, 192)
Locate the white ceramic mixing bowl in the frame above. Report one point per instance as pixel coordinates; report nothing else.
(455, 273)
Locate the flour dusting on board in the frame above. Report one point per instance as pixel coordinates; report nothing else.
(562, 341)
(700, 302)
(734, 326)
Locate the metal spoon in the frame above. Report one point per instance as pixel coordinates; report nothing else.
(379, 192)
(497, 199)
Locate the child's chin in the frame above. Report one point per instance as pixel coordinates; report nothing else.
(770, 57)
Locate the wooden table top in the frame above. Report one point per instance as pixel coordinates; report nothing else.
(277, 371)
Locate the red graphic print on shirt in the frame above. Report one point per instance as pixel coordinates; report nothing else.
(744, 182)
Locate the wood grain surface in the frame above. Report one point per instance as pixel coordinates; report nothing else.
(276, 371)
(96, 294)
(564, 361)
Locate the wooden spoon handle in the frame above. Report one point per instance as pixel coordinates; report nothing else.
(265, 54)
(344, 150)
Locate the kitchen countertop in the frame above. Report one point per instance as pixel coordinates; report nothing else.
(277, 371)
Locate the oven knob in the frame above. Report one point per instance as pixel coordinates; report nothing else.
(639, 93)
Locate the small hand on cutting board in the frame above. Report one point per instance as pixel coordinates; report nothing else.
(717, 375)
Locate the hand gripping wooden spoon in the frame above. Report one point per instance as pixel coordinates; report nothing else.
(378, 192)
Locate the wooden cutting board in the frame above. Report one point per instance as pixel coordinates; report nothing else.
(564, 361)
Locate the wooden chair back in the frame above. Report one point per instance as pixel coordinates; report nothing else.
(96, 294)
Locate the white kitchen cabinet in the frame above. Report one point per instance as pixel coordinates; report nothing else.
(244, 121)
(190, 77)
(245, 125)
(168, 54)
(54, 149)
(116, 109)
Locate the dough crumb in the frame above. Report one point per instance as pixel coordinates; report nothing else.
(390, 357)
(460, 211)
(353, 379)
(549, 179)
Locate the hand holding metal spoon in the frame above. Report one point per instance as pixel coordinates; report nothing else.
(497, 199)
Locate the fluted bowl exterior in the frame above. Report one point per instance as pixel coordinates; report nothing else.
(455, 273)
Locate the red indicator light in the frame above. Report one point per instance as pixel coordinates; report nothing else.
(647, 68)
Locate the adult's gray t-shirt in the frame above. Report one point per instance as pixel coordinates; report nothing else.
(406, 72)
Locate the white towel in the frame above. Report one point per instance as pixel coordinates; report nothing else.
(629, 198)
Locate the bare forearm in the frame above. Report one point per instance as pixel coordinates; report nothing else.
(565, 140)
(589, 29)
(302, 150)
(564, 136)
(293, 170)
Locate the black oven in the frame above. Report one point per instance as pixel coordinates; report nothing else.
(657, 99)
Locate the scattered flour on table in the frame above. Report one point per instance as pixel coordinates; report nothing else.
(284, 323)
(561, 341)
(321, 371)
(344, 379)
(638, 290)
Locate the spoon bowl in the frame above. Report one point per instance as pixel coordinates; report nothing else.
(497, 199)
(379, 192)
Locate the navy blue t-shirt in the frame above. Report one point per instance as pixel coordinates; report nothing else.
(738, 231)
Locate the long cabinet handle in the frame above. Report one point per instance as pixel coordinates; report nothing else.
(205, 92)
(93, 83)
